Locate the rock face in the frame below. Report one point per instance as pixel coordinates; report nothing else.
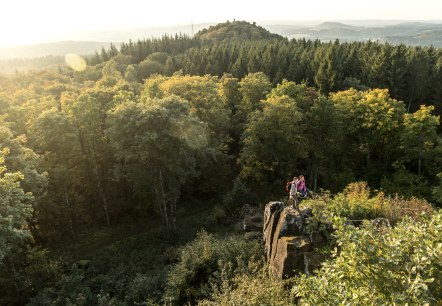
(289, 246)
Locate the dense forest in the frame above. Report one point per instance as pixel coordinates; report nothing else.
(122, 181)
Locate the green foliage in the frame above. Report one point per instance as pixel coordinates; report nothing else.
(163, 137)
(15, 208)
(273, 143)
(15, 237)
(72, 292)
(98, 147)
(254, 88)
(419, 136)
(147, 68)
(257, 289)
(237, 197)
(380, 265)
(406, 184)
(357, 203)
(201, 265)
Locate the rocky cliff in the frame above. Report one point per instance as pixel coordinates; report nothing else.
(289, 242)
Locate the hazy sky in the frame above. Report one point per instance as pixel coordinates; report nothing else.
(26, 21)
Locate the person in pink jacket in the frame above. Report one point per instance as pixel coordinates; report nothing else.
(302, 189)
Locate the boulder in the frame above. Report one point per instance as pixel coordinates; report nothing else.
(289, 256)
(289, 248)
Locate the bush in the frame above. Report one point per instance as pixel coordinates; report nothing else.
(380, 266)
(356, 203)
(260, 289)
(198, 271)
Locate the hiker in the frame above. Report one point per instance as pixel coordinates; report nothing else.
(302, 189)
(293, 188)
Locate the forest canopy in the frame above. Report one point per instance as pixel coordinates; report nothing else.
(161, 128)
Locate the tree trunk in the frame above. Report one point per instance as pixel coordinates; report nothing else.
(411, 100)
(173, 214)
(419, 165)
(157, 195)
(103, 196)
(15, 274)
(68, 204)
(315, 179)
(164, 202)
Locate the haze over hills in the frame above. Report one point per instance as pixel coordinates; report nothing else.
(87, 42)
(409, 33)
(395, 32)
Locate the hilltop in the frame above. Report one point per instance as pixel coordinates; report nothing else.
(236, 30)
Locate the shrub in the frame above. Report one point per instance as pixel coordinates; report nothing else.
(201, 262)
(259, 289)
(356, 202)
(380, 266)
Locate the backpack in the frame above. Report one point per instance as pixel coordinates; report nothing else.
(288, 185)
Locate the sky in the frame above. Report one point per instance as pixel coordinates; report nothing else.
(31, 21)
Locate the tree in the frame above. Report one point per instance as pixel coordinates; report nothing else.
(254, 88)
(56, 138)
(329, 74)
(147, 68)
(371, 120)
(131, 74)
(324, 138)
(417, 77)
(157, 142)
(419, 135)
(15, 236)
(273, 144)
(229, 92)
(205, 102)
(89, 116)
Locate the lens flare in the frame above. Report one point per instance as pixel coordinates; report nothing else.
(75, 61)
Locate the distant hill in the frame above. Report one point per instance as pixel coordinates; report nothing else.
(55, 49)
(409, 33)
(236, 30)
(87, 42)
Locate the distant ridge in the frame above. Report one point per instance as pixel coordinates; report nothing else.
(87, 42)
(408, 33)
(55, 49)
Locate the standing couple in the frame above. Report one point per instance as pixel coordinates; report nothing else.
(297, 186)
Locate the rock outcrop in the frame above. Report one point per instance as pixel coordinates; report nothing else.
(289, 243)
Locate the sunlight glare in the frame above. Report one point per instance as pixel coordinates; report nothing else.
(75, 61)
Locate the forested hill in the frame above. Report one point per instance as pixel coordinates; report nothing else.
(236, 30)
(412, 74)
